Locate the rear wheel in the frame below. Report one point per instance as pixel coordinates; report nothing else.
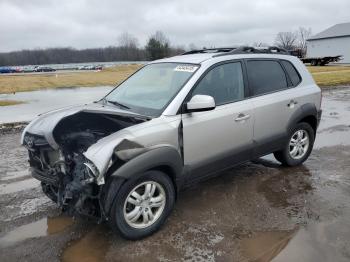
(298, 147)
(142, 205)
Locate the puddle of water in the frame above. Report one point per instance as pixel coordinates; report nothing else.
(316, 242)
(264, 246)
(334, 128)
(19, 186)
(280, 190)
(38, 102)
(91, 248)
(40, 228)
(328, 139)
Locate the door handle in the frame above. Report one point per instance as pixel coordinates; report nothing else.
(242, 117)
(292, 103)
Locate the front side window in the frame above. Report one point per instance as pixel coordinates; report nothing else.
(151, 89)
(265, 76)
(224, 83)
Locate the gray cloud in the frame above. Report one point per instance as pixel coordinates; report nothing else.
(91, 23)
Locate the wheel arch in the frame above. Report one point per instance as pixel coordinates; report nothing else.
(311, 120)
(306, 113)
(165, 159)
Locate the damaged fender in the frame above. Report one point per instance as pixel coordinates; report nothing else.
(160, 156)
(163, 156)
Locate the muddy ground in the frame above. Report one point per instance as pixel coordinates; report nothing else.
(258, 211)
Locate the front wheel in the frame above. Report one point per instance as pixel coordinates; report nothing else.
(298, 147)
(142, 205)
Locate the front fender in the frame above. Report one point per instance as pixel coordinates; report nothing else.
(164, 156)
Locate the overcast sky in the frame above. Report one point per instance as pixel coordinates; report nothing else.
(27, 24)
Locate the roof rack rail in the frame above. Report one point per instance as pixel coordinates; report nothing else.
(210, 50)
(256, 50)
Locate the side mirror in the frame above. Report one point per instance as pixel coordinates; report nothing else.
(200, 103)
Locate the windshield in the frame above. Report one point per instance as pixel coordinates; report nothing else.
(151, 89)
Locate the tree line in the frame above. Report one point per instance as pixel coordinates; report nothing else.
(127, 49)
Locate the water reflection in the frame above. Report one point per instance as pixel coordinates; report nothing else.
(264, 246)
(38, 102)
(92, 247)
(40, 228)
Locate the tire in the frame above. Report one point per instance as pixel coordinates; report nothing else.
(290, 155)
(162, 188)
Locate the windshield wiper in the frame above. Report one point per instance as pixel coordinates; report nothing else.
(116, 104)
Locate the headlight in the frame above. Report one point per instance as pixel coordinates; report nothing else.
(30, 140)
(91, 168)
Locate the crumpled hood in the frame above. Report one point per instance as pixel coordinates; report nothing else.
(44, 124)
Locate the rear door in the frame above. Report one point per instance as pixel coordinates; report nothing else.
(274, 100)
(219, 138)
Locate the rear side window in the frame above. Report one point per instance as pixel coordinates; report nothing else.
(266, 76)
(292, 72)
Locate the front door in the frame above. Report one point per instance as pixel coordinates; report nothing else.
(217, 139)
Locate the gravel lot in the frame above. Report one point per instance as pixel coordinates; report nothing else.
(258, 211)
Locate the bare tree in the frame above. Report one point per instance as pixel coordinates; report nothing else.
(286, 40)
(161, 38)
(127, 40)
(303, 35)
(260, 44)
(128, 45)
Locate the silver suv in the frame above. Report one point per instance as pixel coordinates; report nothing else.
(173, 122)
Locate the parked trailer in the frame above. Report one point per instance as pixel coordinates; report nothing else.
(314, 61)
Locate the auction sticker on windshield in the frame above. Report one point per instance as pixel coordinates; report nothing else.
(186, 68)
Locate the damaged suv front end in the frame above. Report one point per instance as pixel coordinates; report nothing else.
(57, 143)
(75, 150)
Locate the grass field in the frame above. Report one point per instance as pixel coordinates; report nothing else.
(330, 75)
(323, 75)
(10, 102)
(30, 82)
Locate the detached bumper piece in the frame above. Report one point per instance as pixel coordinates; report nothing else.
(44, 177)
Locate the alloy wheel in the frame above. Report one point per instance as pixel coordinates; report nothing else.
(144, 204)
(299, 144)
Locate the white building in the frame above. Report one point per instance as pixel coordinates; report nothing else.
(331, 42)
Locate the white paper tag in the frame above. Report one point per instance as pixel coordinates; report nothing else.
(186, 68)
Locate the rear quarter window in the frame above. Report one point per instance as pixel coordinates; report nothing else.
(266, 76)
(292, 72)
